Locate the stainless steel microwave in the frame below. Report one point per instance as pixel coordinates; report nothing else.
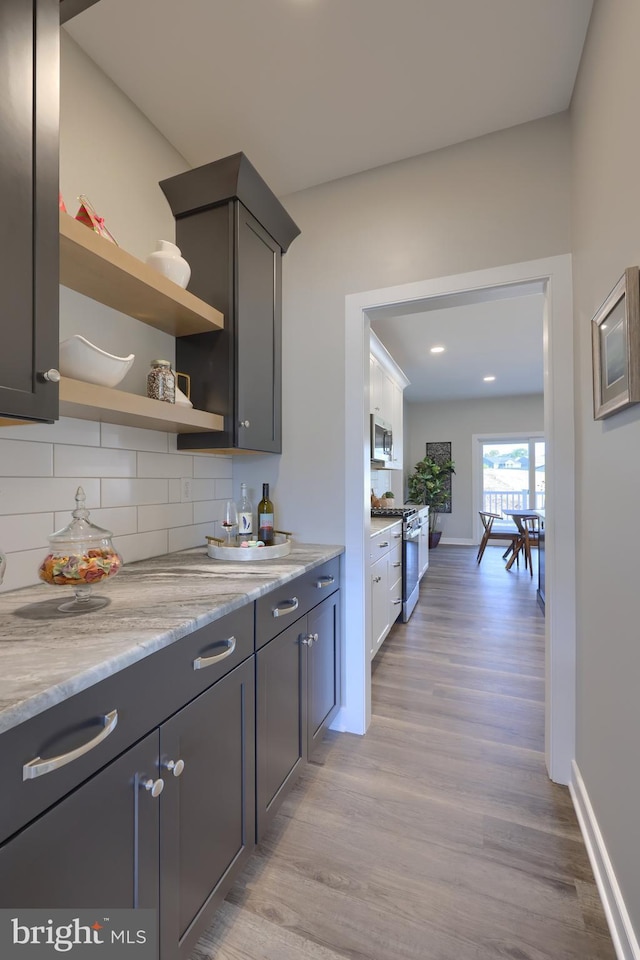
(381, 441)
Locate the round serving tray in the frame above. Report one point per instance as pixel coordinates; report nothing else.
(218, 550)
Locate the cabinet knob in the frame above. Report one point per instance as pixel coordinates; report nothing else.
(155, 787)
(175, 766)
(53, 375)
(245, 423)
(307, 640)
(377, 579)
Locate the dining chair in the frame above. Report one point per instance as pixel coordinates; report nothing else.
(531, 538)
(489, 533)
(528, 536)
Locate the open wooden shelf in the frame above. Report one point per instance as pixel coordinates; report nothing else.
(99, 269)
(87, 401)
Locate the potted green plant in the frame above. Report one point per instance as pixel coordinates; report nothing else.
(389, 498)
(428, 485)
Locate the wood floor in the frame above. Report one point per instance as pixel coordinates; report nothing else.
(438, 836)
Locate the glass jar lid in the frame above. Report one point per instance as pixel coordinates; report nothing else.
(80, 532)
(161, 363)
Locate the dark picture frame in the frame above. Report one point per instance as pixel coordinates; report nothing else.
(440, 451)
(616, 348)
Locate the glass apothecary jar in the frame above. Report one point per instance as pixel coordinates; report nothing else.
(80, 556)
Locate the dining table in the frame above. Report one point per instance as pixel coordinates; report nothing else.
(522, 544)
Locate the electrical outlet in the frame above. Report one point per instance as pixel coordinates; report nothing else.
(186, 491)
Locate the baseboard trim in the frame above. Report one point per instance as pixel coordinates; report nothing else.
(458, 542)
(622, 933)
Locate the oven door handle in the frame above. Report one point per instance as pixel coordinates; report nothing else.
(412, 534)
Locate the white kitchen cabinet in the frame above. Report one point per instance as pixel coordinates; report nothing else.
(386, 583)
(423, 542)
(387, 383)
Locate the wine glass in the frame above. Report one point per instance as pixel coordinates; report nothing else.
(230, 520)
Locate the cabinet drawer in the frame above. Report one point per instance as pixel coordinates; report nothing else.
(275, 611)
(99, 723)
(384, 541)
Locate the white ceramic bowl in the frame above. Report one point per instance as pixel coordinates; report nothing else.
(82, 360)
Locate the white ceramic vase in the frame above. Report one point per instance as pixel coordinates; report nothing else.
(168, 260)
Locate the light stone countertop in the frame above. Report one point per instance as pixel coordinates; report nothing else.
(47, 656)
(378, 524)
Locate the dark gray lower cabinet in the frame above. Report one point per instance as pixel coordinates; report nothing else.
(161, 812)
(112, 843)
(96, 848)
(297, 696)
(281, 747)
(323, 669)
(207, 813)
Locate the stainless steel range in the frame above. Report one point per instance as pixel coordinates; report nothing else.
(411, 524)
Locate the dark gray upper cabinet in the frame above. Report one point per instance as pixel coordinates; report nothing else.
(29, 110)
(233, 231)
(71, 8)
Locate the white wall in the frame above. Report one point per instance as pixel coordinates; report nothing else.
(110, 152)
(606, 239)
(457, 421)
(499, 199)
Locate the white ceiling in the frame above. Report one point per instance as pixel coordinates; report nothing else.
(482, 337)
(313, 90)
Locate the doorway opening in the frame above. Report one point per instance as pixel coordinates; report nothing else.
(552, 277)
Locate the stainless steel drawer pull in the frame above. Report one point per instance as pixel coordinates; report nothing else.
(325, 581)
(37, 767)
(397, 536)
(200, 662)
(287, 607)
(385, 543)
(396, 602)
(377, 579)
(398, 563)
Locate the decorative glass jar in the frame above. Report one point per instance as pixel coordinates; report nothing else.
(80, 555)
(161, 381)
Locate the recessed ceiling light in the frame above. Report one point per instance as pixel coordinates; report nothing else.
(437, 349)
(487, 379)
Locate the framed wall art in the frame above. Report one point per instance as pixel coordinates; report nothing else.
(616, 347)
(440, 451)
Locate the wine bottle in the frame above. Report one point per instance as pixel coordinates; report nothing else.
(265, 518)
(245, 513)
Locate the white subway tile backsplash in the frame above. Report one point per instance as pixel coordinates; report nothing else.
(140, 546)
(65, 430)
(25, 531)
(43, 494)
(224, 489)
(203, 489)
(213, 467)
(93, 462)
(161, 516)
(133, 438)
(165, 465)
(22, 571)
(208, 511)
(132, 479)
(20, 458)
(119, 520)
(131, 492)
(181, 538)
